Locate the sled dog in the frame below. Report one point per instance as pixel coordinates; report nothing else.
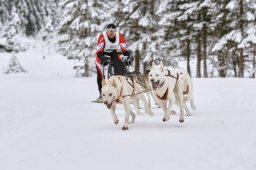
(123, 89)
(171, 86)
(142, 79)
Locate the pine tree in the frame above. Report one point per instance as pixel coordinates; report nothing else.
(14, 66)
(84, 20)
(26, 17)
(140, 29)
(238, 15)
(4, 6)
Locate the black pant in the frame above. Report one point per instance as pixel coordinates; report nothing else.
(99, 79)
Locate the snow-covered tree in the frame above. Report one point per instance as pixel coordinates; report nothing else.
(25, 18)
(183, 23)
(238, 15)
(33, 14)
(4, 6)
(216, 34)
(14, 66)
(139, 22)
(83, 21)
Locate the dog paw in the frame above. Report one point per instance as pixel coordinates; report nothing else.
(165, 119)
(181, 120)
(124, 128)
(188, 114)
(193, 107)
(116, 121)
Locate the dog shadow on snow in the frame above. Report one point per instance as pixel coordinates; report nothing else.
(145, 123)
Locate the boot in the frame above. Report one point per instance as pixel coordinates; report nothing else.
(99, 99)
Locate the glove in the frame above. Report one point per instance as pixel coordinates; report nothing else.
(113, 54)
(123, 57)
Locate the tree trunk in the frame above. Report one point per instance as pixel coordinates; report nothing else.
(199, 55)
(86, 67)
(188, 53)
(205, 45)
(241, 64)
(234, 62)
(188, 57)
(198, 64)
(137, 60)
(145, 66)
(241, 58)
(254, 61)
(221, 65)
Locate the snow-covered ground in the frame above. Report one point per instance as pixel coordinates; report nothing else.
(48, 122)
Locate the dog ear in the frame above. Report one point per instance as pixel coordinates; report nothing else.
(153, 64)
(103, 82)
(113, 82)
(161, 66)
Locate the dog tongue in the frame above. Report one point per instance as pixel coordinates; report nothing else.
(155, 85)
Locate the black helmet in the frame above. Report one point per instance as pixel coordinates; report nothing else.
(111, 26)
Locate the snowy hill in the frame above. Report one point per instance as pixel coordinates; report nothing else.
(41, 59)
(47, 122)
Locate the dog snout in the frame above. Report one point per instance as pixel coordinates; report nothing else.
(152, 80)
(105, 102)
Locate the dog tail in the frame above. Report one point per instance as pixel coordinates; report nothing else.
(190, 92)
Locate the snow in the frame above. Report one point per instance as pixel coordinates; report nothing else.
(232, 5)
(144, 21)
(3, 41)
(250, 16)
(234, 35)
(47, 121)
(220, 44)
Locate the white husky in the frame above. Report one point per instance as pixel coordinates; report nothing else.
(122, 89)
(171, 85)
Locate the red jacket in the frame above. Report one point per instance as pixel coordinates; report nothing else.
(101, 45)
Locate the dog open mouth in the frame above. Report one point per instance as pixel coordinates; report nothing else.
(155, 85)
(109, 105)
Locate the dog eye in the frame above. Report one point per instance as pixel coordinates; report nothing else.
(103, 95)
(157, 74)
(150, 75)
(110, 94)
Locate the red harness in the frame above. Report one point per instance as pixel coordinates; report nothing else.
(117, 100)
(164, 97)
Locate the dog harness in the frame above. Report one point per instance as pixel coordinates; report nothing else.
(131, 84)
(177, 78)
(164, 97)
(169, 75)
(116, 100)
